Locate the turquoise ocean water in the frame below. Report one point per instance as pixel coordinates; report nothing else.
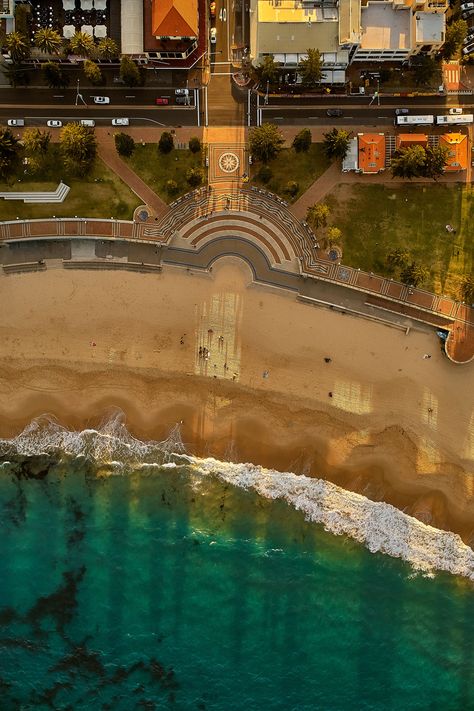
(153, 587)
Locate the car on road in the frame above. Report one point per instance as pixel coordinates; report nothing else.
(16, 122)
(181, 92)
(467, 6)
(162, 100)
(183, 100)
(213, 35)
(334, 112)
(54, 123)
(120, 122)
(467, 13)
(212, 8)
(101, 99)
(400, 112)
(468, 49)
(88, 122)
(455, 110)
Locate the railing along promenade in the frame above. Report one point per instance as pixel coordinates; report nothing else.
(382, 293)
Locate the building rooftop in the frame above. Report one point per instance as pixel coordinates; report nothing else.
(175, 18)
(296, 11)
(430, 27)
(349, 21)
(297, 38)
(371, 154)
(406, 140)
(457, 145)
(383, 27)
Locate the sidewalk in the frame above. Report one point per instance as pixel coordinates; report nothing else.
(107, 152)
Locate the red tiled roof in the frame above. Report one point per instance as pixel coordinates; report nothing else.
(371, 152)
(457, 145)
(175, 18)
(406, 140)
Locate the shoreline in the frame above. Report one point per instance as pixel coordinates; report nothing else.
(374, 436)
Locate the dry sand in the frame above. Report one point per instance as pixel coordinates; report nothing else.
(398, 427)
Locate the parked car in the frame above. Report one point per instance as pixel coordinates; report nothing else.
(87, 122)
(467, 13)
(467, 6)
(120, 122)
(212, 8)
(101, 99)
(334, 112)
(183, 100)
(400, 112)
(181, 92)
(54, 123)
(16, 122)
(162, 100)
(213, 35)
(469, 49)
(455, 110)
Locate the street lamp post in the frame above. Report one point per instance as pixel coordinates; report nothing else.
(79, 96)
(265, 101)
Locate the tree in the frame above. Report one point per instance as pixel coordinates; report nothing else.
(292, 188)
(456, 33)
(436, 158)
(398, 258)
(16, 74)
(18, 46)
(36, 141)
(302, 141)
(166, 142)
(317, 215)
(93, 73)
(124, 144)
(467, 288)
(9, 151)
(107, 49)
(48, 41)
(21, 21)
(54, 76)
(194, 177)
(265, 174)
(82, 44)
(171, 187)
(267, 70)
(310, 68)
(409, 162)
(334, 235)
(194, 144)
(78, 146)
(336, 143)
(129, 72)
(413, 274)
(424, 69)
(265, 142)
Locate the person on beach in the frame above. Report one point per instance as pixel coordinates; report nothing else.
(327, 360)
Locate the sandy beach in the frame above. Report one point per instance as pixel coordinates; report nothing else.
(398, 427)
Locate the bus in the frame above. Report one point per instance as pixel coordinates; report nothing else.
(454, 120)
(426, 120)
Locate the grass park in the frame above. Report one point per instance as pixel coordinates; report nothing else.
(303, 168)
(156, 168)
(377, 219)
(101, 193)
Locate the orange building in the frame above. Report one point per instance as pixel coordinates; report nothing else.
(458, 154)
(175, 19)
(371, 152)
(407, 140)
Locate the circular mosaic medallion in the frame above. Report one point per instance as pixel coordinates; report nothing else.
(228, 162)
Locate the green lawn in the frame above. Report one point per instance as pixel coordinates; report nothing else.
(375, 219)
(100, 194)
(155, 169)
(304, 168)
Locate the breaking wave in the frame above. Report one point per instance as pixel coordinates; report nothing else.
(379, 526)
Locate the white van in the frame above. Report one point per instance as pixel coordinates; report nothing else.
(87, 122)
(120, 122)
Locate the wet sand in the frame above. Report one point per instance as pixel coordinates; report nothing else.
(398, 427)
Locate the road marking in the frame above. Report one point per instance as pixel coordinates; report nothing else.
(132, 96)
(58, 96)
(221, 74)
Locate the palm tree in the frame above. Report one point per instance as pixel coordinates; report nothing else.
(18, 47)
(336, 143)
(9, 150)
(82, 44)
(107, 48)
(36, 141)
(48, 41)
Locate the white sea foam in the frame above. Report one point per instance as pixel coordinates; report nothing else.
(379, 526)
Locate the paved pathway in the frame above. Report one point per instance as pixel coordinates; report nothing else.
(108, 153)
